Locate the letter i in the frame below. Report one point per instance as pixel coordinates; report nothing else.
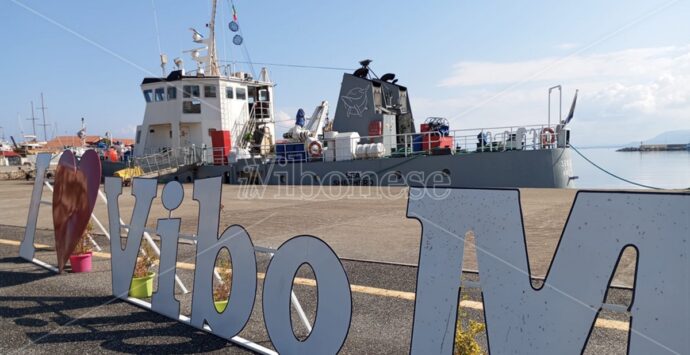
(163, 301)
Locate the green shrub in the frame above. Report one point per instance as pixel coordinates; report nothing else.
(466, 336)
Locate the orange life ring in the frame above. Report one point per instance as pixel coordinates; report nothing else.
(315, 149)
(547, 139)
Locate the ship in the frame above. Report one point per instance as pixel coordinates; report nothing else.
(215, 121)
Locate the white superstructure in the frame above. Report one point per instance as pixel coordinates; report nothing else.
(189, 109)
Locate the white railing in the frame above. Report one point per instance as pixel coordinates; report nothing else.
(472, 140)
(168, 160)
(464, 141)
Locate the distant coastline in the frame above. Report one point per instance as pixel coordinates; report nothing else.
(656, 148)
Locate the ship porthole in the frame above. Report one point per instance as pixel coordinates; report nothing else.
(446, 172)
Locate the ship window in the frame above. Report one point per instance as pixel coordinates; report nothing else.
(229, 93)
(172, 93)
(263, 95)
(190, 91)
(148, 95)
(241, 93)
(191, 106)
(160, 94)
(210, 91)
(138, 136)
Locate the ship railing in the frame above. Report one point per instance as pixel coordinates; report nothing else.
(473, 140)
(167, 160)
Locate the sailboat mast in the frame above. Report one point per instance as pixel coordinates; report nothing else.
(212, 47)
(33, 118)
(43, 112)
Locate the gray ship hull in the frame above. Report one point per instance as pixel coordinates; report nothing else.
(548, 168)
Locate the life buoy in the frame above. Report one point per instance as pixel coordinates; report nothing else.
(547, 139)
(315, 149)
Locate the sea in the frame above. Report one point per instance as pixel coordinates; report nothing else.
(665, 170)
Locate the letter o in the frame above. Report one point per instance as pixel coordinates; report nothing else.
(334, 301)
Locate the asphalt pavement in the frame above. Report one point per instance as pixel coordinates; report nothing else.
(41, 312)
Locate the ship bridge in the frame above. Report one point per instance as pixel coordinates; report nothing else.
(204, 109)
(189, 111)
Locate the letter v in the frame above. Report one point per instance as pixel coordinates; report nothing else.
(123, 261)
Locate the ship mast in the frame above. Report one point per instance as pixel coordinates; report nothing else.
(212, 46)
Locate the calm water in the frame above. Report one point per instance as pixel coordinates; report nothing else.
(669, 170)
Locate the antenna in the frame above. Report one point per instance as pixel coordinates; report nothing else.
(560, 103)
(212, 45)
(44, 125)
(164, 61)
(33, 118)
(164, 57)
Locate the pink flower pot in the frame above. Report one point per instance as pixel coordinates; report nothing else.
(80, 262)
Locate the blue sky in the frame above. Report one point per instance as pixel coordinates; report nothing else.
(478, 63)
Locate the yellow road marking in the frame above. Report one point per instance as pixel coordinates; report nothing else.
(410, 296)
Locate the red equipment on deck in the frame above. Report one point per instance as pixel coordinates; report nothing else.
(221, 142)
(375, 128)
(433, 140)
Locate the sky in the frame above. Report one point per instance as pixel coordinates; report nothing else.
(477, 63)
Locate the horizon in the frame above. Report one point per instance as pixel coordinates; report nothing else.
(474, 65)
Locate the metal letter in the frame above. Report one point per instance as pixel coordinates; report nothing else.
(237, 241)
(122, 261)
(334, 302)
(163, 300)
(558, 318)
(440, 267)
(26, 249)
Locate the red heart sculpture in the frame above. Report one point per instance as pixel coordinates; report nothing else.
(74, 196)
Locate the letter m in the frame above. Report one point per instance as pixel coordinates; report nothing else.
(559, 317)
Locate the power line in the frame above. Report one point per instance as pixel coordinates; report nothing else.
(155, 22)
(289, 65)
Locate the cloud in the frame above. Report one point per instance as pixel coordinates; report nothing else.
(635, 93)
(127, 131)
(566, 46)
(283, 122)
(642, 62)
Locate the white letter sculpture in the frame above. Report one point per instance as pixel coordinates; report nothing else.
(26, 248)
(123, 261)
(237, 241)
(334, 302)
(558, 318)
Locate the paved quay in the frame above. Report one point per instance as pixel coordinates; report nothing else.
(45, 313)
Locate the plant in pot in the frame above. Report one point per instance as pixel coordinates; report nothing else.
(142, 280)
(80, 260)
(221, 290)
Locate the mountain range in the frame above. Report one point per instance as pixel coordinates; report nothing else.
(681, 136)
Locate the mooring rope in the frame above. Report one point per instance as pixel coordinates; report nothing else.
(612, 174)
